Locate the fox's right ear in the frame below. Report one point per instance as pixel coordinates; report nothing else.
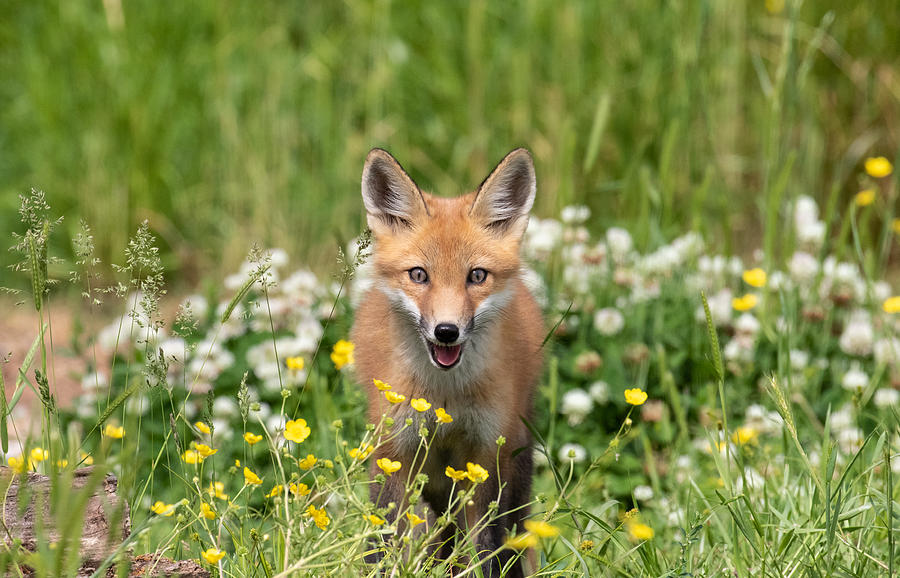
(392, 199)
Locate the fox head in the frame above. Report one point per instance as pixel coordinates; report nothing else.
(449, 266)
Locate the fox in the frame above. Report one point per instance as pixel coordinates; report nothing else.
(449, 319)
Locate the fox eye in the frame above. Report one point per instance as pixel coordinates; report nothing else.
(477, 276)
(418, 275)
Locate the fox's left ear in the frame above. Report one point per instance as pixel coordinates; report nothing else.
(504, 199)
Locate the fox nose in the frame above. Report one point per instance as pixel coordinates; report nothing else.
(446, 332)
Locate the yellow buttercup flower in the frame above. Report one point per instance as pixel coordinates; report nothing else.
(745, 303)
(362, 453)
(299, 489)
(251, 478)
(204, 450)
(394, 397)
(308, 462)
(755, 277)
(388, 466)
(522, 541)
(252, 438)
(382, 386)
(455, 475)
(864, 198)
(541, 529)
(744, 435)
(206, 511)
(191, 457)
(163, 509)
(296, 430)
(635, 396)
(62, 463)
(891, 304)
(878, 167)
(217, 490)
(212, 555)
(414, 520)
(294, 363)
(237, 463)
(639, 531)
(374, 520)
(419, 404)
(319, 516)
(18, 464)
(202, 427)
(342, 354)
(86, 458)
(442, 415)
(275, 491)
(476, 473)
(115, 432)
(39, 454)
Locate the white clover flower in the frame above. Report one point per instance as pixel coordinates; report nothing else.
(137, 405)
(675, 517)
(535, 284)
(222, 429)
(779, 281)
(94, 381)
(226, 407)
(85, 407)
(719, 308)
(576, 404)
(683, 462)
(747, 325)
(643, 493)
(736, 350)
(735, 266)
(858, 336)
(886, 397)
(855, 379)
(541, 237)
(609, 321)
(806, 211)
(277, 257)
(850, 440)
(799, 359)
(755, 481)
(881, 290)
(842, 419)
(574, 453)
(619, 242)
(811, 234)
(577, 279)
(887, 351)
(275, 424)
(174, 350)
(199, 306)
(599, 391)
(575, 214)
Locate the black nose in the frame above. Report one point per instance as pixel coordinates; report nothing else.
(446, 332)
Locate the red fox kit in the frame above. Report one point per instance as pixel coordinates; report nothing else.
(449, 319)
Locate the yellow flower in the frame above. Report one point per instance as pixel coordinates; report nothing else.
(212, 555)
(204, 450)
(252, 438)
(745, 303)
(237, 463)
(319, 516)
(394, 397)
(522, 541)
(639, 531)
(191, 457)
(775, 6)
(17, 463)
(388, 466)
(308, 462)
(62, 463)
(163, 509)
(374, 520)
(342, 354)
(39, 454)
(456, 475)
(296, 430)
(864, 198)
(85, 458)
(476, 473)
(414, 520)
(275, 491)
(217, 490)
(878, 167)
(382, 386)
(299, 489)
(328, 464)
(744, 435)
(755, 277)
(541, 529)
(294, 363)
(115, 432)
(206, 511)
(419, 404)
(202, 427)
(251, 478)
(635, 396)
(442, 415)
(891, 304)
(362, 453)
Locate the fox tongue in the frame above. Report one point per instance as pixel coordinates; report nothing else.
(447, 356)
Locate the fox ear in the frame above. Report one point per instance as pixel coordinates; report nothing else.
(504, 199)
(390, 196)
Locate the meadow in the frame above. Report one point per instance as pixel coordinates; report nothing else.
(713, 246)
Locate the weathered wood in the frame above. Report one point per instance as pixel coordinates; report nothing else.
(150, 565)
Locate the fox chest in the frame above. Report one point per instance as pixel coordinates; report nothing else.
(472, 434)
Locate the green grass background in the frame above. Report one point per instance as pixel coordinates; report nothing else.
(226, 123)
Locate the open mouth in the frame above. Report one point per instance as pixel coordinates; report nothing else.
(445, 356)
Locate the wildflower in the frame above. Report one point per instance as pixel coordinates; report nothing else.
(886, 397)
(308, 462)
(115, 432)
(374, 520)
(294, 363)
(639, 531)
(394, 397)
(745, 303)
(299, 489)
(212, 555)
(576, 404)
(476, 473)
(414, 520)
(745, 435)
(864, 198)
(191, 457)
(237, 463)
(541, 529)
(275, 491)
(86, 458)
(755, 277)
(39, 454)
(609, 321)
(442, 415)
(382, 386)
(855, 379)
(858, 336)
(217, 490)
(599, 392)
(635, 396)
(205, 451)
(17, 463)
(319, 516)
(296, 430)
(251, 478)
(252, 438)
(202, 427)
(362, 453)
(206, 511)
(878, 167)
(388, 466)
(574, 453)
(419, 404)
(163, 509)
(643, 493)
(456, 475)
(588, 362)
(891, 305)
(586, 545)
(342, 354)
(522, 541)
(62, 463)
